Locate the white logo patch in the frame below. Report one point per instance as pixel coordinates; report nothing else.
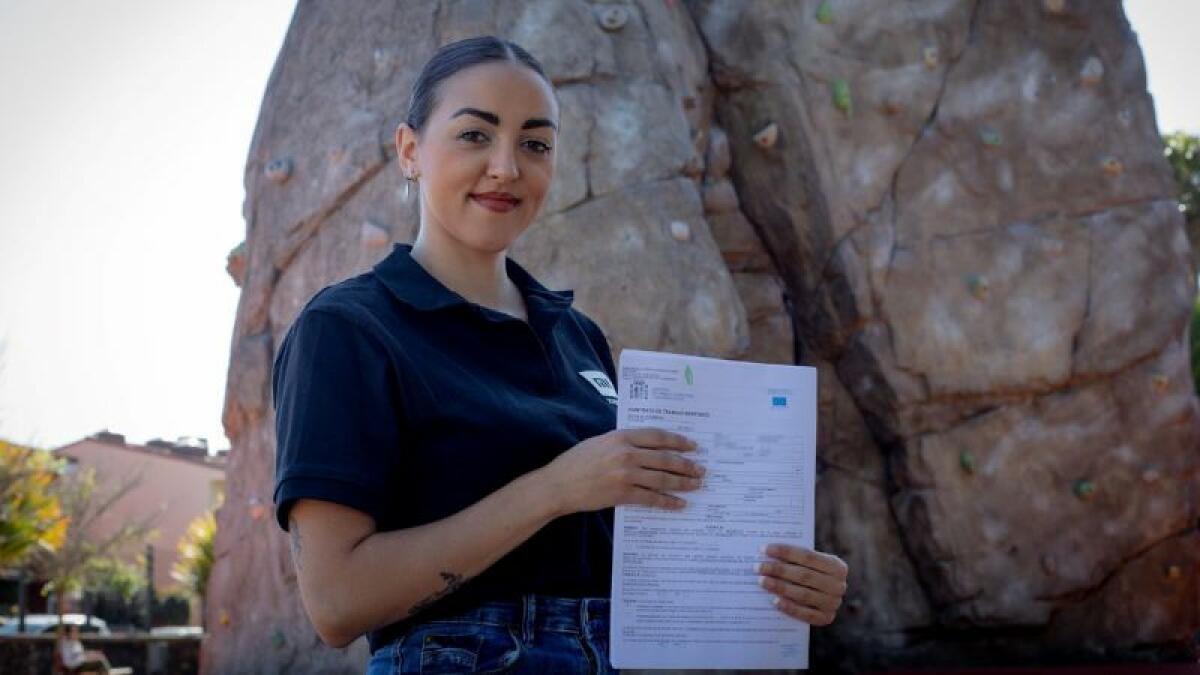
(600, 381)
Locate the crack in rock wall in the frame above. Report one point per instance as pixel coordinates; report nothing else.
(956, 210)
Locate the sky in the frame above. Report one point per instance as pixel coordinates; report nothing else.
(124, 130)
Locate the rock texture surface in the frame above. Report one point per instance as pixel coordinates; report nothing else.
(956, 210)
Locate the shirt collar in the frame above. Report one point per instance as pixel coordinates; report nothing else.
(416, 287)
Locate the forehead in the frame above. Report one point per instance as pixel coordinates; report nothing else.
(512, 91)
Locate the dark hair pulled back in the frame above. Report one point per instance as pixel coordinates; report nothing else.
(454, 57)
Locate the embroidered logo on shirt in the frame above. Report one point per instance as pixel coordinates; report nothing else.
(600, 381)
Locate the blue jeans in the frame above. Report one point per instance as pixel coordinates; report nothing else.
(538, 634)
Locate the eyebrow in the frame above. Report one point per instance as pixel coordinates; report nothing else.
(494, 120)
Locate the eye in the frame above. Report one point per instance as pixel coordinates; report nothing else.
(538, 147)
(471, 134)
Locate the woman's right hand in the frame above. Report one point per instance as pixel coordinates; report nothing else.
(626, 466)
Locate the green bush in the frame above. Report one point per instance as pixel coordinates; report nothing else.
(1194, 336)
(1183, 153)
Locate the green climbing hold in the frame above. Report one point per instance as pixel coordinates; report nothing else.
(967, 461)
(825, 13)
(277, 639)
(978, 286)
(1084, 489)
(841, 97)
(989, 136)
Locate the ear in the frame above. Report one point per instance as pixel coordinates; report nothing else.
(406, 148)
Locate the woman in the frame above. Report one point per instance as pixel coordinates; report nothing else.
(75, 659)
(445, 468)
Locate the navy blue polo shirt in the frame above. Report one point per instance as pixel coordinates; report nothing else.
(397, 397)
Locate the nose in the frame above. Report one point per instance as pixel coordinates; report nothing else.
(502, 165)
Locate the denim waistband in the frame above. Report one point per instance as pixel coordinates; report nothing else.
(533, 613)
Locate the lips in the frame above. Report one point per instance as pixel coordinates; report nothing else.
(498, 202)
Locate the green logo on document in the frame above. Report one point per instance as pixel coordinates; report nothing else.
(687, 374)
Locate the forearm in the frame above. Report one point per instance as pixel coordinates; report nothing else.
(391, 575)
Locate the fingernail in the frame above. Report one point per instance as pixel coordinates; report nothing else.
(761, 568)
(762, 581)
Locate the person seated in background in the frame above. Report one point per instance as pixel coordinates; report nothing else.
(75, 659)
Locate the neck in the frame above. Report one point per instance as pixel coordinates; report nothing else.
(479, 276)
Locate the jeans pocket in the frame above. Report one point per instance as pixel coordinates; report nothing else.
(453, 647)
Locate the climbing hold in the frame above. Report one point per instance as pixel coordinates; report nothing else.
(841, 97)
(767, 136)
(224, 619)
(990, 136)
(613, 18)
(1084, 489)
(680, 230)
(967, 461)
(1055, 6)
(374, 235)
(978, 286)
(1112, 166)
(931, 57)
(235, 264)
(1092, 71)
(279, 169)
(825, 13)
(891, 106)
(257, 509)
(1174, 572)
(277, 639)
(1161, 383)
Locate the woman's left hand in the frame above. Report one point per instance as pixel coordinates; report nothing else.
(808, 585)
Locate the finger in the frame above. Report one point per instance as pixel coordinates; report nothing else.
(798, 555)
(813, 617)
(801, 595)
(803, 576)
(662, 481)
(667, 461)
(652, 437)
(645, 497)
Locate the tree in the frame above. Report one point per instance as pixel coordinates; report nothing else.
(1195, 339)
(1183, 153)
(31, 518)
(113, 591)
(67, 568)
(196, 556)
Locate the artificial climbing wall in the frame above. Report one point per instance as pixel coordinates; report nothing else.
(956, 210)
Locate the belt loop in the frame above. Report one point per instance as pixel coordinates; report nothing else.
(585, 626)
(530, 609)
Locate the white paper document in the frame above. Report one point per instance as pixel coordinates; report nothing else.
(685, 593)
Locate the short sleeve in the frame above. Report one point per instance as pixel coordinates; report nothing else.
(337, 416)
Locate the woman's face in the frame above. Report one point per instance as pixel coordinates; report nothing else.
(493, 130)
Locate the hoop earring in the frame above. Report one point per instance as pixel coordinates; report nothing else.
(408, 180)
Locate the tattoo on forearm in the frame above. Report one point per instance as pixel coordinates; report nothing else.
(294, 530)
(453, 581)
